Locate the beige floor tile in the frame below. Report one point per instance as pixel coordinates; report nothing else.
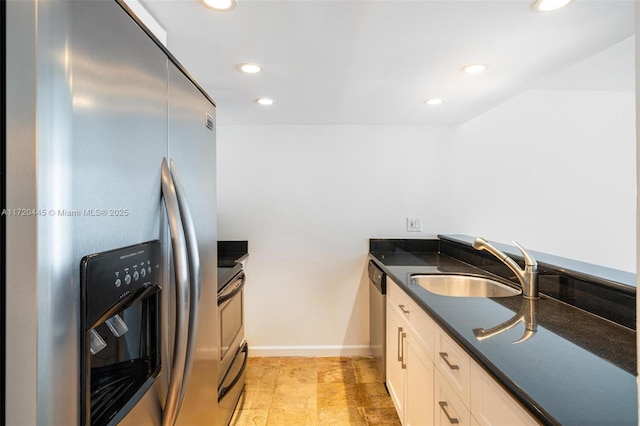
(341, 416)
(338, 395)
(289, 417)
(256, 398)
(250, 418)
(297, 361)
(262, 375)
(366, 371)
(382, 416)
(264, 361)
(367, 358)
(294, 396)
(336, 372)
(302, 374)
(333, 359)
(374, 395)
(291, 391)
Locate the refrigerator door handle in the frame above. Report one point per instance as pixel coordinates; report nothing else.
(194, 275)
(181, 270)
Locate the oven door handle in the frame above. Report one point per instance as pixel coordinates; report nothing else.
(181, 270)
(225, 389)
(231, 290)
(194, 274)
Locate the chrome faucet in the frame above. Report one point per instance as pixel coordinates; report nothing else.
(528, 276)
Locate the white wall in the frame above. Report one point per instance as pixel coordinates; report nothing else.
(308, 198)
(554, 170)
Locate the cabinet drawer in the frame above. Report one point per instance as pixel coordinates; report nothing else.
(419, 321)
(449, 408)
(454, 365)
(395, 295)
(492, 405)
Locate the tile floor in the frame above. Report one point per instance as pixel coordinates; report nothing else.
(314, 391)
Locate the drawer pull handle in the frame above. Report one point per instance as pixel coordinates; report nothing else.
(445, 358)
(402, 363)
(443, 406)
(404, 311)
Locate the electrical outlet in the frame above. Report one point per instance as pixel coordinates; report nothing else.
(414, 224)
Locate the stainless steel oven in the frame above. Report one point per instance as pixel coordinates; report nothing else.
(233, 348)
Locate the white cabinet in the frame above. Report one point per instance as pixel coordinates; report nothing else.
(449, 407)
(419, 409)
(409, 369)
(432, 380)
(395, 372)
(491, 405)
(454, 364)
(414, 316)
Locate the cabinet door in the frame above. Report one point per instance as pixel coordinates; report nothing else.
(396, 334)
(454, 365)
(449, 408)
(491, 405)
(419, 399)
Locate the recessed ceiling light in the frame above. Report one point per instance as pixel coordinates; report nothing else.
(250, 68)
(265, 101)
(221, 5)
(474, 68)
(549, 5)
(433, 101)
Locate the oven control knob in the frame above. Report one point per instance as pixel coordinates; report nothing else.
(136, 275)
(149, 269)
(118, 282)
(127, 279)
(143, 272)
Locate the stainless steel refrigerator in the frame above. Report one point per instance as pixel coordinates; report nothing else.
(94, 108)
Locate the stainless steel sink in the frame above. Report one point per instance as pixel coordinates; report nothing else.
(464, 286)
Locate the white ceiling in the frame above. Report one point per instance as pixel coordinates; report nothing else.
(377, 61)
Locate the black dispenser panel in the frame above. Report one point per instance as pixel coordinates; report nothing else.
(116, 275)
(121, 330)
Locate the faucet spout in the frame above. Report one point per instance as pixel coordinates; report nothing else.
(528, 276)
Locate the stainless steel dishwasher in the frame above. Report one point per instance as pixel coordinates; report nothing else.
(378, 317)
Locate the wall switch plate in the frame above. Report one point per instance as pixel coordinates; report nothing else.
(414, 224)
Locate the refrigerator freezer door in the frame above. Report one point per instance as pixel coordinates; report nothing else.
(193, 151)
(86, 153)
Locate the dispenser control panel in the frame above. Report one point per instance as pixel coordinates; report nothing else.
(112, 276)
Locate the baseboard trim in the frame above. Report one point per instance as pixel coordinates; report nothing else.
(310, 351)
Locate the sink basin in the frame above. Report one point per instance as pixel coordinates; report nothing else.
(464, 286)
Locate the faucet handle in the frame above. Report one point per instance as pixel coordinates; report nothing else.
(528, 259)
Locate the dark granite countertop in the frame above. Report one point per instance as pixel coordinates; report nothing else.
(230, 254)
(578, 369)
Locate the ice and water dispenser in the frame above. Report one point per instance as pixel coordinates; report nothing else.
(121, 330)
